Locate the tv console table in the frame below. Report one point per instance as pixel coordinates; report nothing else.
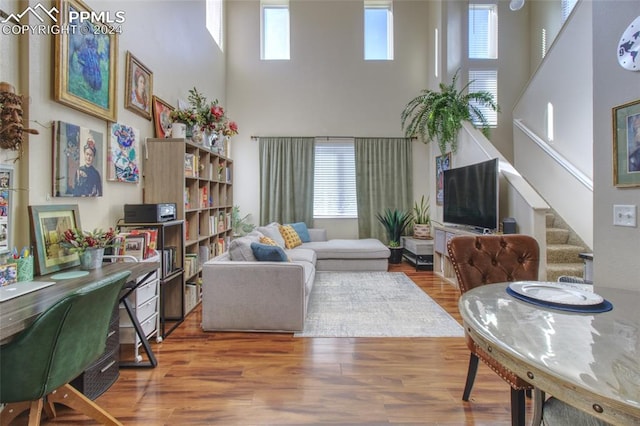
(441, 263)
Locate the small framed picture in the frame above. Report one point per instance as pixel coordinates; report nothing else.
(8, 274)
(443, 162)
(48, 224)
(161, 119)
(135, 246)
(626, 145)
(138, 87)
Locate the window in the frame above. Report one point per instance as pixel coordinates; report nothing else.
(378, 30)
(274, 30)
(334, 179)
(486, 80)
(566, 6)
(483, 31)
(550, 122)
(214, 20)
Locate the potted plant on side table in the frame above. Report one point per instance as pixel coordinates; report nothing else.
(395, 222)
(421, 220)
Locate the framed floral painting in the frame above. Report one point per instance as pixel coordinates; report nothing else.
(85, 62)
(138, 87)
(122, 156)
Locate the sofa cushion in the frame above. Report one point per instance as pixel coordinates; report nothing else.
(267, 253)
(291, 237)
(268, 241)
(272, 231)
(240, 248)
(302, 231)
(368, 248)
(300, 254)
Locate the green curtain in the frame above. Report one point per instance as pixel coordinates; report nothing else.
(384, 178)
(286, 180)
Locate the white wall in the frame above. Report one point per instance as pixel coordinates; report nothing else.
(565, 79)
(327, 88)
(616, 249)
(171, 39)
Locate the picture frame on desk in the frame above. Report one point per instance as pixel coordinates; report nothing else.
(48, 224)
(135, 245)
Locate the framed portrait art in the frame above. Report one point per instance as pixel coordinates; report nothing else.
(85, 63)
(161, 119)
(138, 87)
(626, 145)
(77, 161)
(48, 224)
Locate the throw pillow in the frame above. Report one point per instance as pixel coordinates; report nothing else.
(240, 249)
(271, 230)
(268, 241)
(303, 232)
(266, 253)
(291, 237)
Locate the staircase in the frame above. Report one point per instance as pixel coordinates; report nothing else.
(563, 249)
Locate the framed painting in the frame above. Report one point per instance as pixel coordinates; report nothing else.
(626, 145)
(48, 224)
(85, 62)
(161, 119)
(77, 161)
(138, 87)
(6, 205)
(122, 157)
(443, 162)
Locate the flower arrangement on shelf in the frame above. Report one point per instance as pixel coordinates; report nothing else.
(79, 241)
(209, 115)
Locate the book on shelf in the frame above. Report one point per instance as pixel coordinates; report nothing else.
(187, 198)
(191, 264)
(204, 197)
(190, 165)
(169, 260)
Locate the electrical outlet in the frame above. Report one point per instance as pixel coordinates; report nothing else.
(624, 215)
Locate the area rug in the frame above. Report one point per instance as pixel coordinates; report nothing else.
(374, 304)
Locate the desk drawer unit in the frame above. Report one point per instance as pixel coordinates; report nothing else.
(149, 326)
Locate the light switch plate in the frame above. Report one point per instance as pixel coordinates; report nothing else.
(624, 215)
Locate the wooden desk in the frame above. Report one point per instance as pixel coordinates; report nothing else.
(591, 361)
(18, 313)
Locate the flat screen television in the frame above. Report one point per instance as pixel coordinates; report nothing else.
(471, 195)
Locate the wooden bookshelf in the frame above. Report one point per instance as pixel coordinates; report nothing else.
(199, 182)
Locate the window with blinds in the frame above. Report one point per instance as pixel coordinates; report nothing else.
(485, 80)
(483, 31)
(274, 30)
(334, 179)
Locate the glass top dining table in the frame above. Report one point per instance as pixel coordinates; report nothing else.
(588, 360)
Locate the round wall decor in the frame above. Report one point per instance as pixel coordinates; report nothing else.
(629, 47)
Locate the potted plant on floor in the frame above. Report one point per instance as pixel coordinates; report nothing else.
(395, 222)
(439, 114)
(421, 219)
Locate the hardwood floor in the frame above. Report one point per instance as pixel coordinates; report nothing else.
(276, 379)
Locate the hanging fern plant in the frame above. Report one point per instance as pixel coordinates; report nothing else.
(440, 114)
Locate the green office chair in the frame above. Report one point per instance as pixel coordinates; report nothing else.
(38, 364)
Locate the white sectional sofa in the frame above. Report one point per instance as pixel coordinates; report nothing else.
(272, 296)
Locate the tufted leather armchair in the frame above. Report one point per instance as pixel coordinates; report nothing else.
(487, 259)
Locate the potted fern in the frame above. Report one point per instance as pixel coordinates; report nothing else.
(395, 222)
(421, 219)
(439, 114)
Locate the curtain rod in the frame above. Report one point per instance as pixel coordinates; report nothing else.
(255, 138)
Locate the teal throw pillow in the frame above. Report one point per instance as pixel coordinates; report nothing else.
(267, 253)
(302, 231)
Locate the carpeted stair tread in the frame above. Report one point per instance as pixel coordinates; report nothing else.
(557, 235)
(563, 253)
(554, 270)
